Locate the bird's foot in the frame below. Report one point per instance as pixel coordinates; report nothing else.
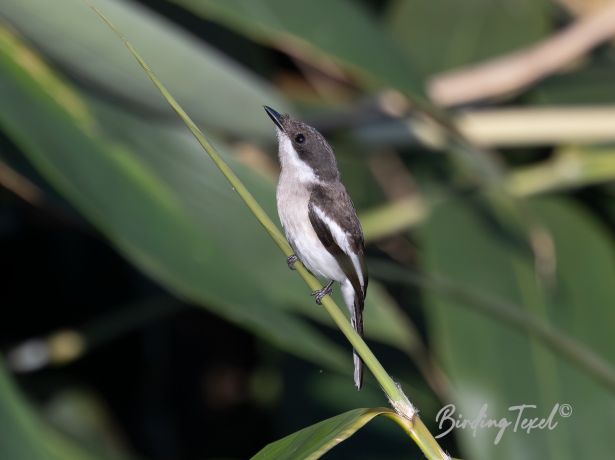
(291, 261)
(319, 294)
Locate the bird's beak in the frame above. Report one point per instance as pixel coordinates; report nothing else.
(275, 116)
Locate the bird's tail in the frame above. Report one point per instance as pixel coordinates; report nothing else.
(354, 303)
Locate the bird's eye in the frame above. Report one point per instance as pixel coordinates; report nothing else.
(300, 138)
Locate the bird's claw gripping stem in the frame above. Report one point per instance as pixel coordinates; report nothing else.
(291, 261)
(319, 294)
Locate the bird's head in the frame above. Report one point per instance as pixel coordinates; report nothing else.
(304, 149)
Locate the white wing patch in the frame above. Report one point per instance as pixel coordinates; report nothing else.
(341, 238)
(292, 164)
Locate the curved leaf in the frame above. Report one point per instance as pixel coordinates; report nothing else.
(216, 91)
(24, 436)
(336, 29)
(314, 441)
(475, 29)
(490, 363)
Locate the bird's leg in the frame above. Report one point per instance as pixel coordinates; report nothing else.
(318, 295)
(291, 261)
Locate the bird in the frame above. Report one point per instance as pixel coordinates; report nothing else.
(319, 218)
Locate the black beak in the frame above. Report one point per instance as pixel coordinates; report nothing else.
(275, 116)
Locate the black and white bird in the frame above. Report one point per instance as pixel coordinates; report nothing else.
(319, 219)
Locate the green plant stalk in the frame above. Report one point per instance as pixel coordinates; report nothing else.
(419, 433)
(415, 427)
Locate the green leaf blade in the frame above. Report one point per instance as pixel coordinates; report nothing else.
(319, 28)
(492, 364)
(215, 90)
(314, 441)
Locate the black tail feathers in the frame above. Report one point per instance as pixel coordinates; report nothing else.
(357, 324)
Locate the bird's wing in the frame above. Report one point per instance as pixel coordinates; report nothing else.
(335, 221)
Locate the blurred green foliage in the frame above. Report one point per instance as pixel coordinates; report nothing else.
(472, 30)
(82, 113)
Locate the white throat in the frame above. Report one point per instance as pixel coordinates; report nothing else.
(292, 165)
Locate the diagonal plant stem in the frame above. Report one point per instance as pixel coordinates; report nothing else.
(412, 423)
